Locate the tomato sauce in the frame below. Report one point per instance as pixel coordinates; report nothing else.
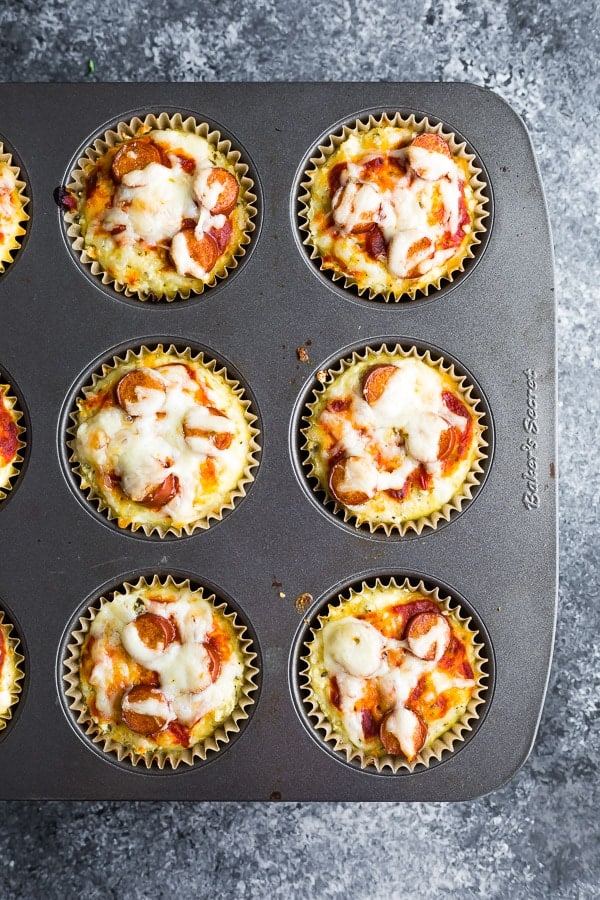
(180, 733)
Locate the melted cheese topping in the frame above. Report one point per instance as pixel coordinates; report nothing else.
(134, 229)
(151, 203)
(187, 698)
(433, 643)
(188, 426)
(12, 213)
(358, 688)
(417, 200)
(392, 448)
(353, 646)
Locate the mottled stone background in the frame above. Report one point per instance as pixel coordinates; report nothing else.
(538, 837)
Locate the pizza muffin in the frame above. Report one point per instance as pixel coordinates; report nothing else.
(11, 439)
(393, 206)
(394, 439)
(12, 209)
(163, 208)
(11, 671)
(163, 440)
(393, 675)
(160, 673)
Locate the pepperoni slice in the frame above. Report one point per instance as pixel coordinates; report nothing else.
(434, 143)
(142, 723)
(162, 494)
(334, 692)
(362, 227)
(369, 724)
(335, 177)
(420, 248)
(180, 733)
(127, 388)
(371, 166)
(135, 154)
(375, 242)
(221, 439)
(375, 382)
(221, 236)
(428, 635)
(218, 190)
(455, 405)
(214, 660)
(414, 734)
(203, 250)
(448, 441)
(336, 480)
(423, 478)
(154, 631)
(188, 165)
(341, 404)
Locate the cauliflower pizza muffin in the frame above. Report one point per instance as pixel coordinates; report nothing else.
(393, 206)
(12, 209)
(163, 440)
(159, 672)
(11, 439)
(394, 439)
(393, 675)
(11, 671)
(163, 208)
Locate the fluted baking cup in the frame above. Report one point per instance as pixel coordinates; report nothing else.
(112, 261)
(206, 510)
(10, 469)
(442, 736)
(11, 671)
(343, 256)
(13, 200)
(422, 508)
(212, 732)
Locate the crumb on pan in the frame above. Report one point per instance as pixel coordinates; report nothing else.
(303, 601)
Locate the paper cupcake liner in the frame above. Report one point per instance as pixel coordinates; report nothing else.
(446, 742)
(159, 757)
(131, 359)
(124, 131)
(15, 242)
(414, 127)
(9, 472)
(361, 518)
(14, 686)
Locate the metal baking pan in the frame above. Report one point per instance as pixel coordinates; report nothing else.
(498, 557)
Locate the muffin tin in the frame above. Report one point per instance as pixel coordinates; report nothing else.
(280, 555)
